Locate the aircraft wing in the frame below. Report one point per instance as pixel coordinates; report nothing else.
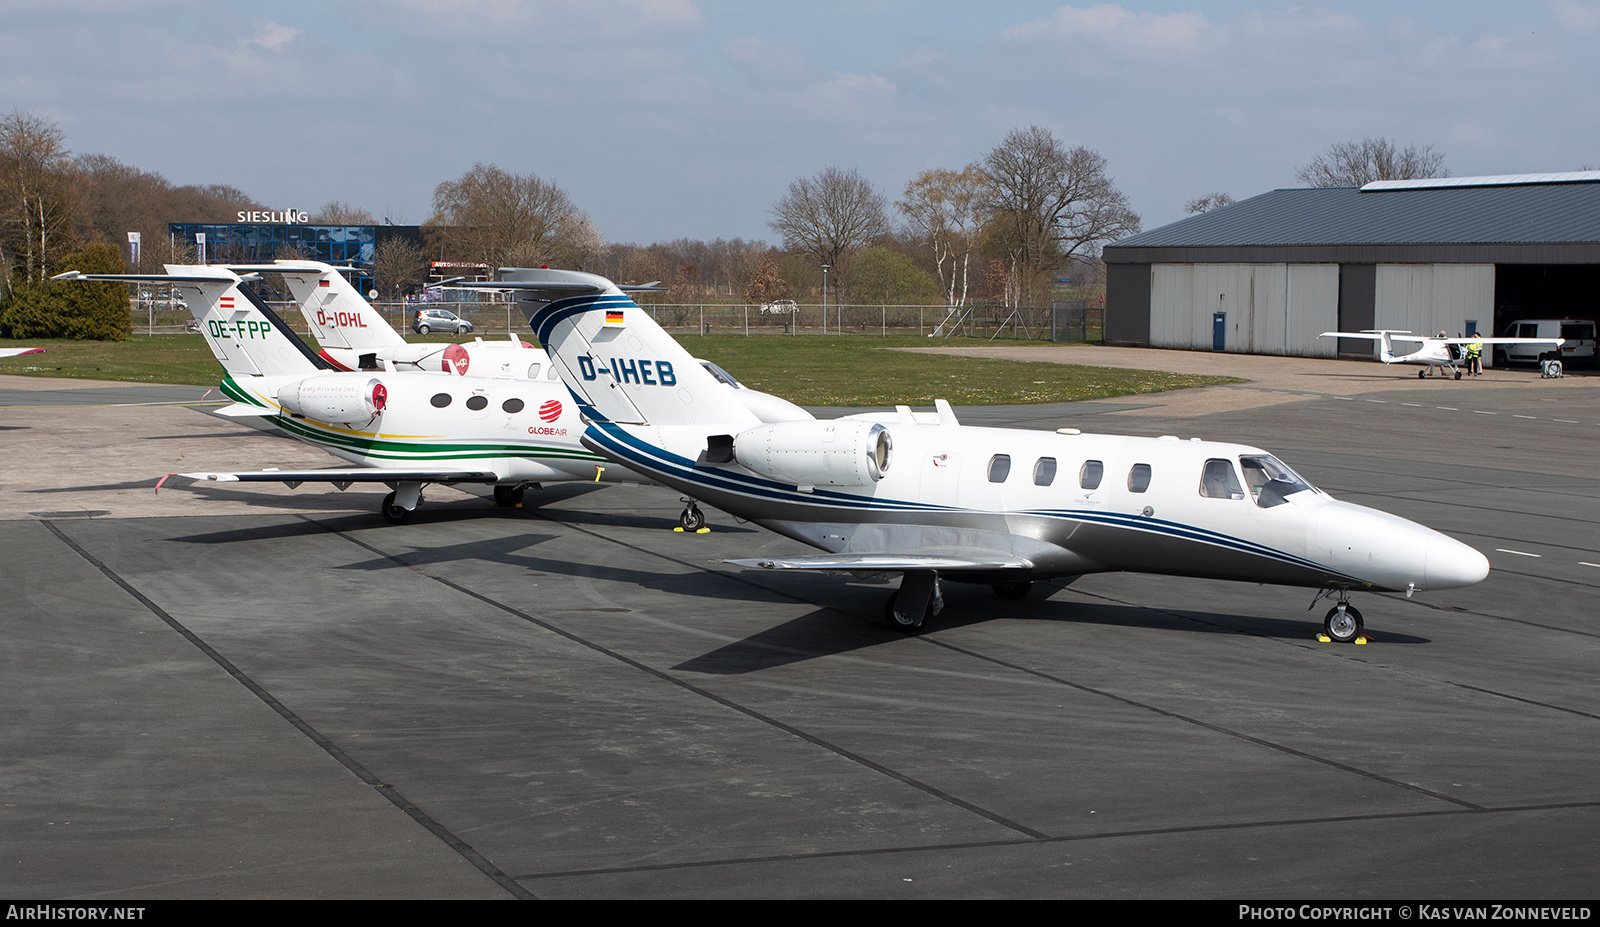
(893, 562)
(18, 352)
(1553, 342)
(1378, 336)
(343, 478)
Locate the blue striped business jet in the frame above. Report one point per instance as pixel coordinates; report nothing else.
(929, 498)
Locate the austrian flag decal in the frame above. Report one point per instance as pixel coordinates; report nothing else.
(550, 411)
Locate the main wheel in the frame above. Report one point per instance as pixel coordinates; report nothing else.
(423, 329)
(1421, 373)
(1342, 624)
(899, 621)
(394, 514)
(1012, 590)
(1458, 374)
(692, 519)
(507, 496)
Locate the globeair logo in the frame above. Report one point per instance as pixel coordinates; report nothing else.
(287, 217)
(550, 411)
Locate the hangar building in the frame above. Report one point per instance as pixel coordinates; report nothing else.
(1268, 274)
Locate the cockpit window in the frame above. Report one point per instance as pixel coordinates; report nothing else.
(1218, 481)
(1270, 481)
(723, 376)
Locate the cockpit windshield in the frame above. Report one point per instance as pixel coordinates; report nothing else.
(1270, 480)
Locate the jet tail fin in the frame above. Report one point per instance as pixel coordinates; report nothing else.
(245, 334)
(619, 364)
(334, 309)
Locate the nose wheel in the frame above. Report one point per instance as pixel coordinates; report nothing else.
(1342, 623)
(692, 519)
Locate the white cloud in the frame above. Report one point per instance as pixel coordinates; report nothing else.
(1123, 31)
(540, 22)
(766, 62)
(270, 35)
(1580, 17)
(851, 98)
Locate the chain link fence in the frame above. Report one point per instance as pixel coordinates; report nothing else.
(1063, 320)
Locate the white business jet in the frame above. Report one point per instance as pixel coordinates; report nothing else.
(1443, 352)
(406, 429)
(932, 499)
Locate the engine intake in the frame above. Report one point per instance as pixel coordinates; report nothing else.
(842, 452)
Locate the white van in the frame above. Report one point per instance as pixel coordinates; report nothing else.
(1579, 349)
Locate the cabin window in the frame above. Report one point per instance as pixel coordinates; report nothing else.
(1044, 472)
(440, 400)
(1270, 482)
(1218, 481)
(552, 374)
(533, 371)
(477, 403)
(1089, 476)
(1139, 478)
(512, 406)
(999, 468)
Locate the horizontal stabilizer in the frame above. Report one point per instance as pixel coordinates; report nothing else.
(242, 410)
(893, 562)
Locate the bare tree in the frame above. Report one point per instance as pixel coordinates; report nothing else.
(1049, 203)
(1207, 203)
(339, 212)
(945, 209)
(505, 220)
(830, 216)
(36, 187)
(1355, 164)
(398, 264)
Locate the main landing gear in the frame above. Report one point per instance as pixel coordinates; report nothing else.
(692, 519)
(917, 600)
(509, 495)
(398, 505)
(1342, 624)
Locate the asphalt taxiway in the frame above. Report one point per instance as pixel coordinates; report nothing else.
(270, 693)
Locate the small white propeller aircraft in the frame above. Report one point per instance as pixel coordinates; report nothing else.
(18, 352)
(402, 428)
(1443, 352)
(932, 499)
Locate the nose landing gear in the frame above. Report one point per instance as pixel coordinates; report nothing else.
(1342, 624)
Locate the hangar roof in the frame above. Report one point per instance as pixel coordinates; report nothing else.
(1384, 222)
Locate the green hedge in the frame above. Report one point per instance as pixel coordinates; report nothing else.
(93, 311)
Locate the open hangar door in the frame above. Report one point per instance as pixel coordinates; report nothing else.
(1545, 291)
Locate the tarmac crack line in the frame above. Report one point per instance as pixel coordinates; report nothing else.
(1217, 728)
(1065, 838)
(813, 739)
(478, 860)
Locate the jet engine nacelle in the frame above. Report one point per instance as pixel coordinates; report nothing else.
(841, 452)
(336, 398)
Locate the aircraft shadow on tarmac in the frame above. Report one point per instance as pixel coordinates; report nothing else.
(828, 631)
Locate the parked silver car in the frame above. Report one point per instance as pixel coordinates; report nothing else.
(439, 320)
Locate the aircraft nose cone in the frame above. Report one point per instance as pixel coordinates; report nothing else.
(1451, 563)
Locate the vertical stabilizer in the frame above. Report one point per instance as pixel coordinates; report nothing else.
(614, 357)
(248, 338)
(334, 309)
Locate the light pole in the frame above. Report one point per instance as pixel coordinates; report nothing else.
(824, 299)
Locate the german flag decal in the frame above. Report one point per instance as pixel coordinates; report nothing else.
(613, 316)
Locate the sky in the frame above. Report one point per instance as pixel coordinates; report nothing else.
(668, 119)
